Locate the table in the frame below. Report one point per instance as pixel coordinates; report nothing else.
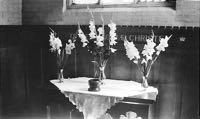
(95, 104)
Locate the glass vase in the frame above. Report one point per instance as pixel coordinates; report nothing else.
(144, 82)
(102, 75)
(60, 75)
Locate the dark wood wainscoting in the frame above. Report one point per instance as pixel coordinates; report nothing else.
(27, 65)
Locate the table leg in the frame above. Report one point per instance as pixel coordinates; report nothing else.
(151, 113)
(48, 112)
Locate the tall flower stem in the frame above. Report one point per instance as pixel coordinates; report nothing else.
(101, 67)
(144, 77)
(62, 53)
(142, 72)
(147, 74)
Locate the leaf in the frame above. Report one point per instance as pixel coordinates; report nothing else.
(51, 30)
(152, 34)
(105, 62)
(97, 67)
(62, 54)
(65, 60)
(95, 63)
(58, 59)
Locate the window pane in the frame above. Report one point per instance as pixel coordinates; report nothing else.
(106, 2)
(84, 1)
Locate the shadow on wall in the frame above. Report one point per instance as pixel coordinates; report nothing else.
(42, 12)
(10, 12)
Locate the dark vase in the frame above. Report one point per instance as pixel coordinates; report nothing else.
(94, 85)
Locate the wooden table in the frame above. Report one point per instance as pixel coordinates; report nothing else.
(95, 104)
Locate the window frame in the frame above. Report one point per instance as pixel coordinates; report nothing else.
(171, 4)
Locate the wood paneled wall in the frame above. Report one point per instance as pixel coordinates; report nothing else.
(28, 65)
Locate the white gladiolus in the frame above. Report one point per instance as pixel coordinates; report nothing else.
(101, 31)
(68, 49)
(91, 25)
(99, 41)
(69, 46)
(98, 44)
(51, 37)
(113, 50)
(83, 37)
(112, 26)
(55, 43)
(163, 44)
(92, 33)
(61, 52)
(148, 49)
(131, 51)
(113, 36)
(130, 115)
(84, 44)
(100, 38)
(149, 54)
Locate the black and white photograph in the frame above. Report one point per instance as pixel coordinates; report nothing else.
(99, 59)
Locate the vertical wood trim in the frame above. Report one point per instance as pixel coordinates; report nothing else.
(41, 67)
(0, 104)
(1, 61)
(26, 71)
(48, 112)
(181, 92)
(150, 112)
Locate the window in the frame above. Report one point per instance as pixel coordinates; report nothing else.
(119, 3)
(103, 2)
(85, 1)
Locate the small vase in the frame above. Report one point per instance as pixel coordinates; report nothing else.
(102, 75)
(60, 75)
(144, 82)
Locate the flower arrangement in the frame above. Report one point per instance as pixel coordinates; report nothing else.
(145, 59)
(61, 52)
(98, 45)
(130, 115)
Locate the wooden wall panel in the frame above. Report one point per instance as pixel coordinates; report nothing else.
(175, 73)
(13, 88)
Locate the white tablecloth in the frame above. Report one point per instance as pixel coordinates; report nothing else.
(94, 104)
